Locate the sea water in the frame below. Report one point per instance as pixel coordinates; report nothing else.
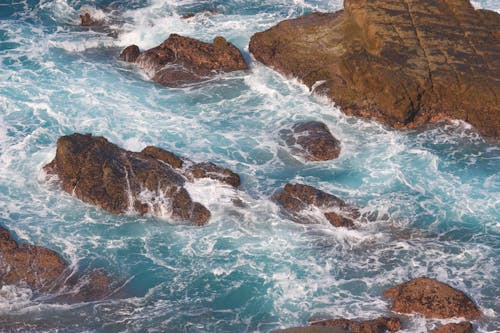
(433, 193)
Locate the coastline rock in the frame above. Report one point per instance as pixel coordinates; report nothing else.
(315, 140)
(163, 155)
(86, 20)
(463, 327)
(130, 53)
(402, 62)
(379, 325)
(212, 171)
(432, 299)
(181, 60)
(297, 198)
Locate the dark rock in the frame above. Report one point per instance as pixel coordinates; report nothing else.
(432, 299)
(117, 180)
(212, 171)
(180, 60)
(402, 62)
(299, 197)
(463, 327)
(87, 20)
(163, 155)
(315, 140)
(130, 53)
(311, 329)
(379, 325)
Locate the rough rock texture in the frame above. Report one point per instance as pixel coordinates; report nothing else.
(463, 327)
(212, 171)
(119, 181)
(44, 271)
(130, 53)
(431, 298)
(315, 140)
(181, 60)
(379, 325)
(297, 198)
(403, 62)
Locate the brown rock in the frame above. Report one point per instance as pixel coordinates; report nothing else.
(379, 325)
(432, 299)
(86, 20)
(403, 62)
(163, 155)
(180, 60)
(463, 327)
(212, 171)
(298, 197)
(315, 140)
(130, 53)
(117, 180)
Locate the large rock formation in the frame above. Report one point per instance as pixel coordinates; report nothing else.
(181, 60)
(44, 271)
(313, 140)
(432, 299)
(119, 181)
(403, 62)
(379, 325)
(299, 199)
(463, 327)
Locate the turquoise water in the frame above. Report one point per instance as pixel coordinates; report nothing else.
(434, 193)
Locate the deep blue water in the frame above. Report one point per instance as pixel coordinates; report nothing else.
(435, 192)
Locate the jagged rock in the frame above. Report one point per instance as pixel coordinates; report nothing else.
(130, 53)
(403, 62)
(163, 155)
(212, 171)
(45, 271)
(181, 60)
(379, 325)
(297, 198)
(432, 299)
(315, 140)
(463, 327)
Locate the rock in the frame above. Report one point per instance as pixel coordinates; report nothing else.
(379, 325)
(316, 142)
(163, 155)
(119, 181)
(212, 171)
(130, 53)
(297, 198)
(463, 327)
(432, 299)
(181, 60)
(311, 329)
(402, 62)
(45, 271)
(86, 20)
(206, 12)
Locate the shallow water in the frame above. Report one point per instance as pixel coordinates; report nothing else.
(435, 193)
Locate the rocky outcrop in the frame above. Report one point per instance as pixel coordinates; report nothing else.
(87, 20)
(379, 325)
(45, 271)
(313, 140)
(299, 199)
(403, 62)
(463, 327)
(181, 60)
(432, 299)
(120, 181)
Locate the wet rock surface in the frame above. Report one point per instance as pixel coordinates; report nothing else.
(120, 181)
(402, 62)
(432, 299)
(379, 325)
(463, 327)
(296, 199)
(181, 60)
(313, 140)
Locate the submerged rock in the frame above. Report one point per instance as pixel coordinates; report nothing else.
(120, 181)
(403, 62)
(379, 325)
(181, 60)
(314, 140)
(299, 198)
(463, 327)
(432, 299)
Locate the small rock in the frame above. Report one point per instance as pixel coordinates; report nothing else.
(379, 325)
(130, 53)
(163, 155)
(316, 141)
(432, 299)
(212, 171)
(86, 20)
(463, 327)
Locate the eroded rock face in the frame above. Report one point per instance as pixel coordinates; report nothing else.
(463, 327)
(403, 62)
(181, 60)
(379, 325)
(120, 181)
(432, 299)
(299, 198)
(314, 141)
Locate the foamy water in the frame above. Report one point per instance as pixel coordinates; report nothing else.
(433, 195)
